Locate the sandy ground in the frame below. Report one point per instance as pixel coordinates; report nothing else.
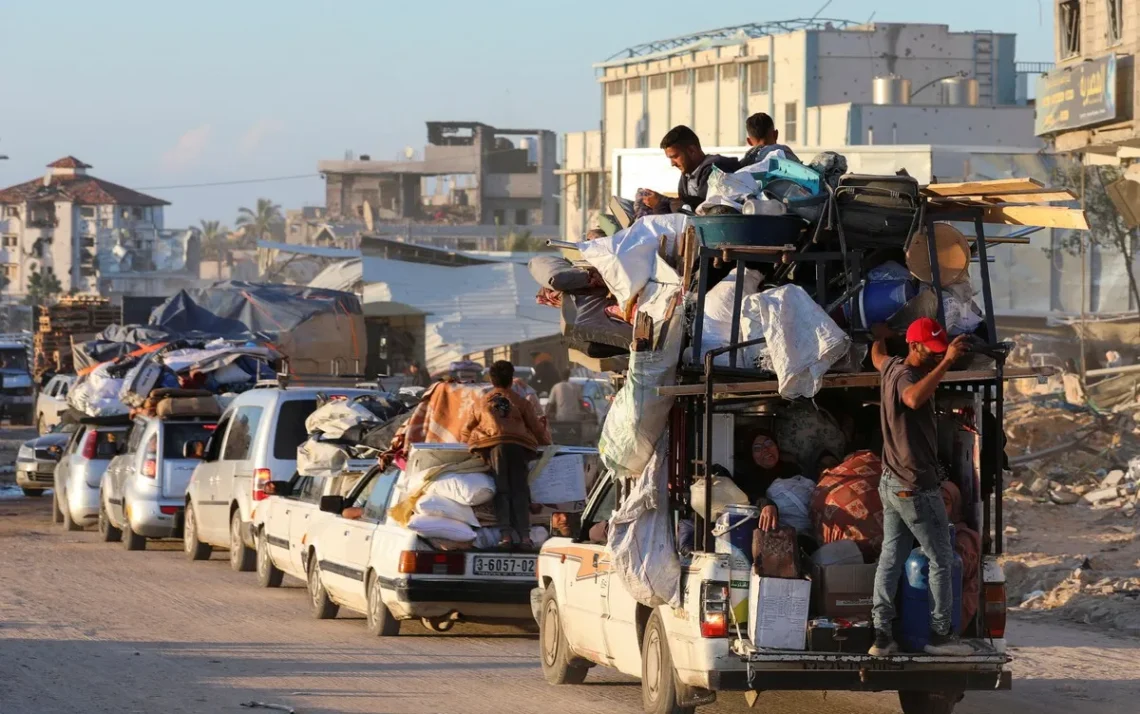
(86, 626)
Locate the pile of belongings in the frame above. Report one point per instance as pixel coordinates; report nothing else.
(343, 430)
(591, 317)
(775, 186)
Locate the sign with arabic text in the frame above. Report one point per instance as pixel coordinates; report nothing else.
(1075, 96)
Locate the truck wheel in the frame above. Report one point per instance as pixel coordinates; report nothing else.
(32, 492)
(559, 665)
(56, 513)
(929, 702)
(380, 620)
(660, 690)
(194, 548)
(323, 607)
(268, 574)
(243, 559)
(131, 540)
(110, 533)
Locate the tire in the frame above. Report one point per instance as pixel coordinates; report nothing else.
(380, 620)
(194, 548)
(268, 574)
(32, 492)
(65, 518)
(322, 607)
(929, 702)
(660, 690)
(243, 559)
(131, 540)
(56, 513)
(110, 533)
(559, 665)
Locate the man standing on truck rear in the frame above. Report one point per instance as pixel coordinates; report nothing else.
(911, 488)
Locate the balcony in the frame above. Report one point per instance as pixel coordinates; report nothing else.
(41, 221)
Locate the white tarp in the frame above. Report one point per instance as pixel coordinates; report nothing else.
(320, 459)
(98, 394)
(627, 259)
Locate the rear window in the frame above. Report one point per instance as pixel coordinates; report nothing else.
(291, 427)
(176, 436)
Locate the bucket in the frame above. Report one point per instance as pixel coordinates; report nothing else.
(733, 533)
(738, 229)
(880, 299)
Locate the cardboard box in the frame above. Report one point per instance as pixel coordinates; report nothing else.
(778, 612)
(845, 591)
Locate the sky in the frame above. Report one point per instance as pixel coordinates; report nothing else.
(160, 94)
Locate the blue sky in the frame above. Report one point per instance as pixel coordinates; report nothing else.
(161, 93)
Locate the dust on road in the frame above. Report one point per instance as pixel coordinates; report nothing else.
(88, 627)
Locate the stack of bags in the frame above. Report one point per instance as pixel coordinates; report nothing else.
(440, 491)
(341, 430)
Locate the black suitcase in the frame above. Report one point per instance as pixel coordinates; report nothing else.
(880, 208)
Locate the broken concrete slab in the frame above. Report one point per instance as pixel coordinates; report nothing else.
(1113, 479)
(1102, 495)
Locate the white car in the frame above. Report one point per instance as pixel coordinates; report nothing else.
(52, 402)
(255, 443)
(598, 394)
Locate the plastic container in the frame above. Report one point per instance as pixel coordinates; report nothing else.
(879, 300)
(733, 533)
(916, 602)
(735, 229)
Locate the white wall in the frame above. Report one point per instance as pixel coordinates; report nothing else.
(972, 126)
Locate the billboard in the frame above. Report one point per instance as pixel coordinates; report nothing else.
(1075, 96)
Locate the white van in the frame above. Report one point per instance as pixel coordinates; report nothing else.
(255, 443)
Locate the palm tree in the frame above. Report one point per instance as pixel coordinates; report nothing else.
(256, 222)
(214, 239)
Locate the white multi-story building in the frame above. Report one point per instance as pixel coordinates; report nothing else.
(79, 226)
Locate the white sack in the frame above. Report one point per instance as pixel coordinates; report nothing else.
(337, 417)
(627, 259)
(725, 492)
(792, 497)
(732, 186)
(717, 327)
(98, 394)
(433, 504)
(441, 528)
(641, 535)
(801, 340)
(472, 489)
(320, 460)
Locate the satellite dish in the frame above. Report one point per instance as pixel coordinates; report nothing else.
(368, 216)
(409, 153)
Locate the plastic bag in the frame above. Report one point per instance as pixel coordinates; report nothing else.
(473, 489)
(962, 314)
(717, 327)
(337, 417)
(792, 497)
(735, 187)
(319, 459)
(433, 504)
(725, 492)
(628, 259)
(442, 528)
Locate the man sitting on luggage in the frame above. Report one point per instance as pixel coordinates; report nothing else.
(764, 139)
(683, 149)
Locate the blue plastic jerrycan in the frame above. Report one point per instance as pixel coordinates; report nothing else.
(917, 602)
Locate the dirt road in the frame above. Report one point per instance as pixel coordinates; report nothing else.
(88, 627)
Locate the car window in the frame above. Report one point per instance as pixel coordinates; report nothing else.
(308, 489)
(136, 434)
(214, 446)
(176, 436)
(62, 392)
(108, 444)
(290, 431)
(604, 507)
(376, 503)
(242, 434)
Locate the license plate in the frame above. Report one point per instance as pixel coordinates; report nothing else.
(503, 566)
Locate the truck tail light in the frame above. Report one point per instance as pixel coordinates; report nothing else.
(260, 478)
(422, 562)
(150, 468)
(90, 442)
(995, 609)
(714, 609)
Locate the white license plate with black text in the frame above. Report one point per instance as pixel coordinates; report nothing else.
(503, 566)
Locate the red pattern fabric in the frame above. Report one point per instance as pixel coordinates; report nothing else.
(846, 504)
(968, 545)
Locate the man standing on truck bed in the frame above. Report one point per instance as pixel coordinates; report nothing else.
(910, 488)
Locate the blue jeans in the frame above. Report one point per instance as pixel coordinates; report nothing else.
(921, 516)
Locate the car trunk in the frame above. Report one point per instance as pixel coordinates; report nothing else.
(176, 468)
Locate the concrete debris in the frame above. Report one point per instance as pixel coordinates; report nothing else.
(1113, 479)
(1103, 495)
(1039, 486)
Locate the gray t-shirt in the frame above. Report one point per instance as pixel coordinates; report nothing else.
(910, 444)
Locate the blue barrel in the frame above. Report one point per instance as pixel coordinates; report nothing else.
(880, 299)
(917, 603)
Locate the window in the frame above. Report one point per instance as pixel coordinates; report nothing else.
(1069, 22)
(499, 217)
(376, 505)
(63, 386)
(603, 507)
(790, 114)
(633, 85)
(706, 74)
(729, 71)
(290, 431)
(1115, 21)
(659, 81)
(758, 77)
(520, 217)
(136, 435)
(87, 211)
(11, 270)
(175, 437)
(309, 489)
(613, 89)
(680, 79)
(242, 434)
(12, 211)
(214, 446)
(11, 241)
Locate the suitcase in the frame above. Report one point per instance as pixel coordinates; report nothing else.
(880, 208)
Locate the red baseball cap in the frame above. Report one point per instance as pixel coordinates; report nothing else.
(928, 333)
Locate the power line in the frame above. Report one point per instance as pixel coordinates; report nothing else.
(227, 183)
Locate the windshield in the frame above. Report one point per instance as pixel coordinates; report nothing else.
(176, 436)
(16, 359)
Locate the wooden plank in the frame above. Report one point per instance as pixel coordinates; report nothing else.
(862, 379)
(1045, 216)
(1040, 196)
(983, 188)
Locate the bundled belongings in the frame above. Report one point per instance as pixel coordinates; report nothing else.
(345, 430)
(846, 504)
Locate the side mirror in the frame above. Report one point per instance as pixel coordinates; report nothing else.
(565, 525)
(193, 450)
(332, 504)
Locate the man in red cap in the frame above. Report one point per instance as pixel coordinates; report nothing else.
(910, 487)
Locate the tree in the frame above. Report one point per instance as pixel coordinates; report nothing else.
(43, 285)
(256, 221)
(215, 240)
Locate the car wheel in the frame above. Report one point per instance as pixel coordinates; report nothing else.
(559, 665)
(268, 574)
(65, 514)
(56, 513)
(929, 702)
(32, 492)
(110, 533)
(660, 690)
(194, 548)
(243, 559)
(323, 607)
(380, 620)
(131, 540)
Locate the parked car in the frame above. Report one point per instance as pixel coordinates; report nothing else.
(255, 443)
(80, 472)
(52, 402)
(37, 458)
(598, 395)
(143, 490)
